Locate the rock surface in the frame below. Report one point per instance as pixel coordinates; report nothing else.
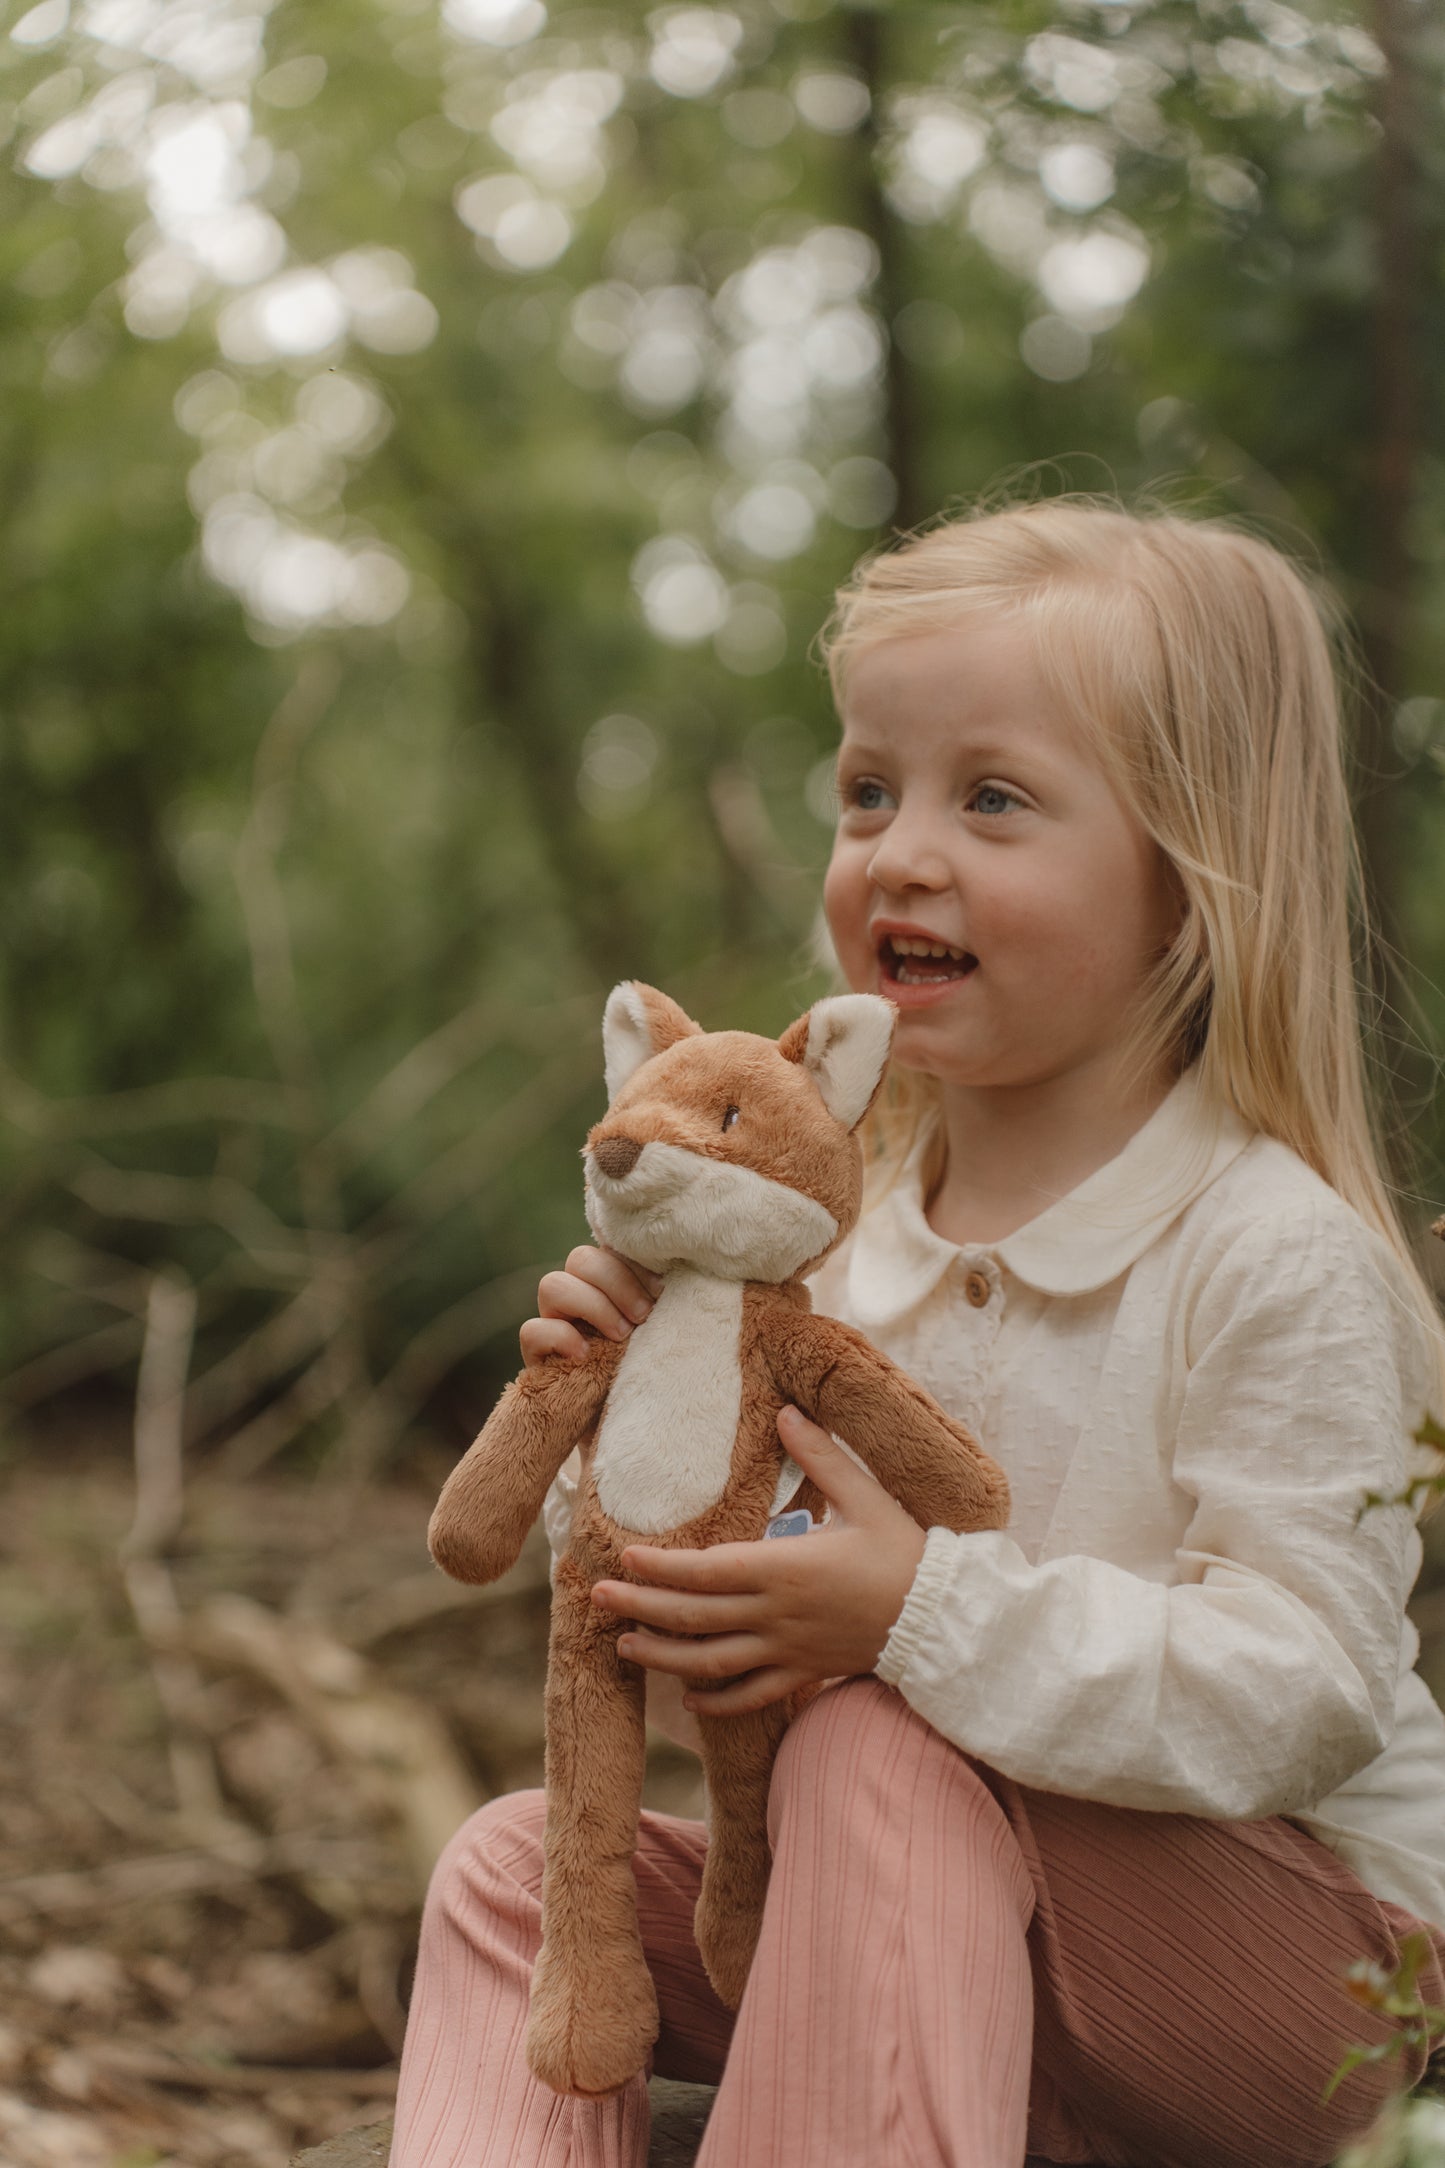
(366, 2148)
(679, 2113)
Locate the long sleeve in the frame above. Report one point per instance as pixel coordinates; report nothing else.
(1262, 1672)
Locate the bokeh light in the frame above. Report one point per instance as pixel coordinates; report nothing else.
(684, 597)
(830, 100)
(502, 23)
(693, 49)
(1091, 276)
(619, 756)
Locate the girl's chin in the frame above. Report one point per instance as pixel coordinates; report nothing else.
(954, 1042)
(923, 1054)
(927, 1042)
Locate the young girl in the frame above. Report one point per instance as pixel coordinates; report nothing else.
(1073, 1855)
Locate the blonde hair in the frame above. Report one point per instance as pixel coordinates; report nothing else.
(1203, 664)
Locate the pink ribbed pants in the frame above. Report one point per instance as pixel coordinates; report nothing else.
(952, 1970)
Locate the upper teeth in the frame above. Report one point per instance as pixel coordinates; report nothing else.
(907, 945)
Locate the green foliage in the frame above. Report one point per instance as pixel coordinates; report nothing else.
(429, 440)
(1421, 1488)
(1393, 1993)
(1411, 2134)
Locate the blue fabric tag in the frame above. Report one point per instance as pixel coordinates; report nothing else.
(797, 1523)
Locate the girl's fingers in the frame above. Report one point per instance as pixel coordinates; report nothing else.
(740, 1697)
(562, 1294)
(722, 1657)
(651, 1283)
(673, 1612)
(844, 1482)
(631, 1287)
(726, 1569)
(542, 1337)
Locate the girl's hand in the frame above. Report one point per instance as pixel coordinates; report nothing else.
(594, 1285)
(768, 1618)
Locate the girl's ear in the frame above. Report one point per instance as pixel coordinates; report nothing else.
(844, 1043)
(637, 1023)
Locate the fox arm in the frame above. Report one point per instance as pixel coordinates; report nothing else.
(494, 1494)
(932, 1465)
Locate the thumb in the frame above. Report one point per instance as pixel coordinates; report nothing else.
(842, 1478)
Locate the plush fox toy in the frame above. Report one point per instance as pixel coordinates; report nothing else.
(730, 1165)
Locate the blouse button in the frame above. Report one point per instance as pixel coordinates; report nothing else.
(977, 1289)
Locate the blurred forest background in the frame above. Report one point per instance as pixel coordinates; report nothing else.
(429, 439)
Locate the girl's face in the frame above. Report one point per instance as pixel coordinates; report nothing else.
(975, 820)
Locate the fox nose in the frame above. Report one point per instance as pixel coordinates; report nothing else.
(617, 1156)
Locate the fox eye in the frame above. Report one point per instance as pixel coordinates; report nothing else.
(730, 1118)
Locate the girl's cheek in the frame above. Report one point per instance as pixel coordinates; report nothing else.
(845, 907)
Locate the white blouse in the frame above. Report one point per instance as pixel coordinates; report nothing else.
(1191, 1368)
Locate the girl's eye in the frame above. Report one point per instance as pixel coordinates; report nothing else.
(866, 796)
(730, 1118)
(993, 799)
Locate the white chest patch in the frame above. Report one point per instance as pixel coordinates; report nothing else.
(666, 1442)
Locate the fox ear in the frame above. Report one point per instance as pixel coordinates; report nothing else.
(637, 1023)
(843, 1043)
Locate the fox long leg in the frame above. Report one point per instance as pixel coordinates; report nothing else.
(932, 1465)
(737, 1759)
(594, 2008)
(495, 1492)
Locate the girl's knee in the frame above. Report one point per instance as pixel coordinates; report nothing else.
(860, 1774)
(495, 1856)
(860, 1740)
(849, 1722)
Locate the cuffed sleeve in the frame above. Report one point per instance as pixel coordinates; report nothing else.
(1263, 1673)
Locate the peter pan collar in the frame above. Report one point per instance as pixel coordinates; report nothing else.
(1077, 1244)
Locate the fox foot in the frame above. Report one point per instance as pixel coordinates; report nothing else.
(593, 2019)
(727, 1936)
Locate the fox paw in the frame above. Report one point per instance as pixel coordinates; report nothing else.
(587, 2034)
(727, 1937)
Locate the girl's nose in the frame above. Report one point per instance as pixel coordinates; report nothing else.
(909, 855)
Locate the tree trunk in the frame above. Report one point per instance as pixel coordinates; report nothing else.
(1394, 458)
(506, 648)
(864, 44)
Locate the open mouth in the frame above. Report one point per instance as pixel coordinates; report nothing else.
(909, 961)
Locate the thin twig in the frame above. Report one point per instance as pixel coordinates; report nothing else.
(427, 1068)
(458, 1173)
(380, 1421)
(267, 1353)
(419, 1598)
(320, 1386)
(159, 1399)
(423, 1071)
(396, 1750)
(175, 1102)
(183, 1200)
(110, 1347)
(192, 2074)
(234, 1855)
(159, 1502)
(96, 1275)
